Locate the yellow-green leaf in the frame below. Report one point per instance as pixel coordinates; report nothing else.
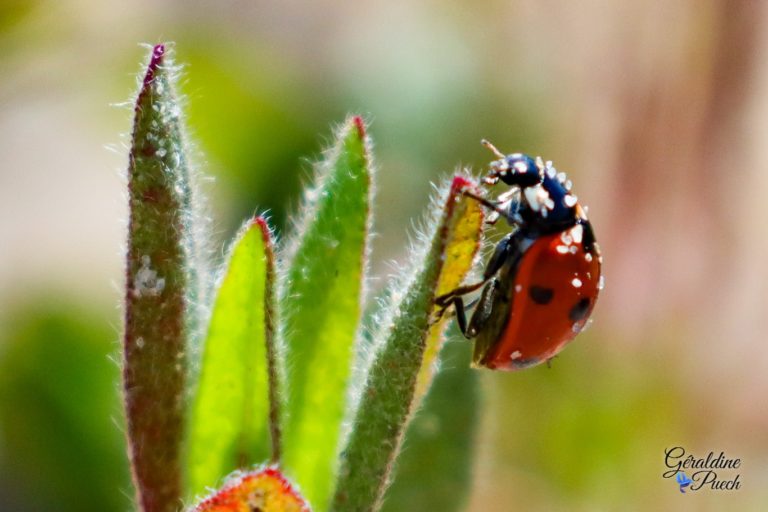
(460, 251)
(229, 426)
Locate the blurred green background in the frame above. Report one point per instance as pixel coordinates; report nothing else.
(658, 110)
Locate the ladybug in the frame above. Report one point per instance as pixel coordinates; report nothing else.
(542, 281)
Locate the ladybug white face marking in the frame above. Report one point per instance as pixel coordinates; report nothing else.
(521, 167)
(501, 166)
(538, 199)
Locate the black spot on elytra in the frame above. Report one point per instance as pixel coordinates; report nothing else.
(540, 294)
(579, 310)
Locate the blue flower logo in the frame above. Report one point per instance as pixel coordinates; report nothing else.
(683, 481)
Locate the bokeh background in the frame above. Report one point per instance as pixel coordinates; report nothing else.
(658, 110)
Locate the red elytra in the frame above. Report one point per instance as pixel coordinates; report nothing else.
(550, 294)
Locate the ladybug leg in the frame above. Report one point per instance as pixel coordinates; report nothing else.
(483, 310)
(454, 298)
(445, 301)
(491, 205)
(461, 316)
(459, 308)
(500, 256)
(504, 250)
(506, 207)
(508, 201)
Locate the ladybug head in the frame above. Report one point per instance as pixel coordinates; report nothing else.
(515, 169)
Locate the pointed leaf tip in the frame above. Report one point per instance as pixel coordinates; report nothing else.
(460, 184)
(155, 61)
(262, 223)
(360, 125)
(158, 52)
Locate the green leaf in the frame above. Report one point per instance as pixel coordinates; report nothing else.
(238, 375)
(390, 392)
(159, 289)
(322, 294)
(438, 447)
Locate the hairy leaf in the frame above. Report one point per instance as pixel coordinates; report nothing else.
(238, 375)
(434, 471)
(159, 289)
(322, 294)
(390, 392)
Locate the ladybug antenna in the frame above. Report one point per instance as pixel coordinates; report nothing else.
(494, 150)
(498, 167)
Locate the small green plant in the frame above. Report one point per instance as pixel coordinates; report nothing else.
(261, 373)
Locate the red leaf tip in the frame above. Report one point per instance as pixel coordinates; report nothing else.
(266, 231)
(360, 125)
(158, 52)
(460, 183)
